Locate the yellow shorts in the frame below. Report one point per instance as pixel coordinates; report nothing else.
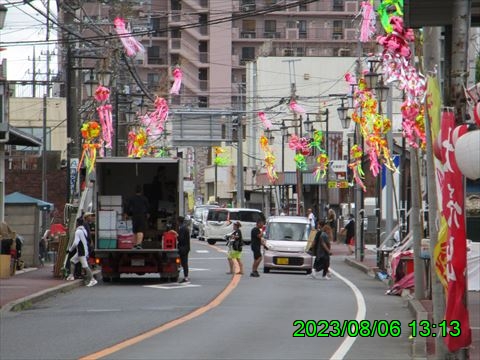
(233, 254)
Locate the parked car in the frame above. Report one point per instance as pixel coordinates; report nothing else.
(220, 221)
(197, 218)
(286, 238)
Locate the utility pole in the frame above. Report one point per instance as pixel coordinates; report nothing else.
(298, 126)
(240, 187)
(431, 58)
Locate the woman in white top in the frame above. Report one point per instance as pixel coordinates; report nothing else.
(80, 244)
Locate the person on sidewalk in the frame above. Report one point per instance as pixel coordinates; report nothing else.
(311, 219)
(80, 246)
(183, 247)
(332, 222)
(235, 244)
(257, 241)
(349, 231)
(137, 209)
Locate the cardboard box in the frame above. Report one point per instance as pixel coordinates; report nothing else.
(107, 219)
(107, 234)
(126, 241)
(110, 200)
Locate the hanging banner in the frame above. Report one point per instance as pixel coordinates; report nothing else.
(453, 208)
(433, 107)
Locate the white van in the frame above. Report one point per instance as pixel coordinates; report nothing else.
(220, 221)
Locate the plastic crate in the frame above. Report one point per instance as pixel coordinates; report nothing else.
(107, 243)
(126, 241)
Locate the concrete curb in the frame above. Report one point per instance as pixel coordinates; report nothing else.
(419, 344)
(27, 301)
(362, 267)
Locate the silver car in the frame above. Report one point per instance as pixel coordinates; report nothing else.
(286, 238)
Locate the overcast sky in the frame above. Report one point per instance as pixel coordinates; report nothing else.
(24, 24)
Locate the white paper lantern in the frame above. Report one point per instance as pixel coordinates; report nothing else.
(467, 154)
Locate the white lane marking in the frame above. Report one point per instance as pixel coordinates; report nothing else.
(361, 312)
(172, 286)
(202, 251)
(198, 269)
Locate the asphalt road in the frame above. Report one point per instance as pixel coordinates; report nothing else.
(255, 321)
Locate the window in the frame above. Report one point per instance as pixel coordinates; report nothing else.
(217, 215)
(250, 216)
(248, 53)
(338, 5)
(287, 231)
(302, 29)
(155, 55)
(270, 26)
(337, 30)
(159, 27)
(153, 79)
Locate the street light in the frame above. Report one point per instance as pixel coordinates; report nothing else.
(375, 82)
(343, 115)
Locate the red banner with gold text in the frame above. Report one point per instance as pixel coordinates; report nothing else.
(453, 208)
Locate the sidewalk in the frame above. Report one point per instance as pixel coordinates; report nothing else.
(423, 348)
(31, 285)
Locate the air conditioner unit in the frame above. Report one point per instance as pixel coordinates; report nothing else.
(311, 52)
(248, 7)
(351, 34)
(288, 52)
(337, 36)
(291, 34)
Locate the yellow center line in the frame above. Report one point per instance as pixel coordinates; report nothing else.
(171, 324)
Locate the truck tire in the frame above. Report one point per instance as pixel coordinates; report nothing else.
(266, 270)
(212, 241)
(309, 271)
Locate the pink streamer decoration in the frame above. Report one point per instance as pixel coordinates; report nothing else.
(105, 115)
(367, 29)
(102, 93)
(132, 46)
(299, 144)
(297, 109)
(177, 81)
(267, 124)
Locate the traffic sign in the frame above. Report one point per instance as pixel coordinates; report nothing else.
(342, 184)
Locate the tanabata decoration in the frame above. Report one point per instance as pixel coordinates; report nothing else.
(299, 144)
(316, 140)
(137, 143)
(221, 159)
(295, 108)
(91, 143)
(322, 167)
(132, 46)
(155, 122)
(373, 128)
(386, 10)
(104, 111)
(356, 154)
(300, 161)
(267, 124)
(367, 29)
(177, 81)
(269, 159)
(396, 66)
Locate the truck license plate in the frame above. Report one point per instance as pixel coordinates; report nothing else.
(138, 262)
(282, 261)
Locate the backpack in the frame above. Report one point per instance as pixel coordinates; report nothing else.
(237, 245)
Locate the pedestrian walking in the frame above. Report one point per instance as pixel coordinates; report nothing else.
(183, 247)
(257, 241)
(349, 232)
(137, 209)
(332, 222)
(80, 247)
(235, 244)
(311, 219)
(322, 251)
